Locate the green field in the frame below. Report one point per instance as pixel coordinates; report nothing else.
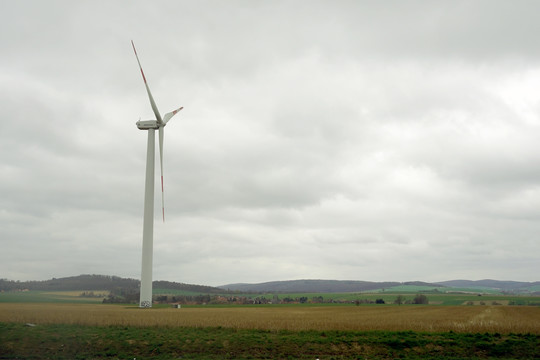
(119, 342)
(435, 298)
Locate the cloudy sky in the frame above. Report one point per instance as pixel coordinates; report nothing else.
(364, 140)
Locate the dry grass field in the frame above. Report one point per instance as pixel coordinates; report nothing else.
(463, 319)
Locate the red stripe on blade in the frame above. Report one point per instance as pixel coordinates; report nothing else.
(143, 76)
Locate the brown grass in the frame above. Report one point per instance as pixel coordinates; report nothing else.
(502, 319)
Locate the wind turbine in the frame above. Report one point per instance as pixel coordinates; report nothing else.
(148, 222)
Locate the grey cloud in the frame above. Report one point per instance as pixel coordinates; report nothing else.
(352, 140)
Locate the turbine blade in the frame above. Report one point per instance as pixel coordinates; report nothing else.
(168, 116)
(152, 102)
(161, 133)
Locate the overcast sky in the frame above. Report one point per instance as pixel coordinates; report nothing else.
(364, 140)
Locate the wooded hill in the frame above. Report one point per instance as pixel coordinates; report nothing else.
(98, 282)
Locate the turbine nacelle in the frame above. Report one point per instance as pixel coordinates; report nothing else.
(148, 124)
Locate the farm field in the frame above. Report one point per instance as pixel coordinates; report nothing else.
(435, 298)
(121, 342)
(500, 319)
(67, 331)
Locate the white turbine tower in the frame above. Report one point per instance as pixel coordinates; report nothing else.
(148, 222)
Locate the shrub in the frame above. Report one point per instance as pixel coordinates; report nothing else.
(399, 300)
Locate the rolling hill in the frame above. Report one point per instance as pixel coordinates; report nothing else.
(98, 282)
(336, 286)
(504, 286)
(319, 286)
(105, 282)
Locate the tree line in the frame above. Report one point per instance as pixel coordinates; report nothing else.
(130, 296)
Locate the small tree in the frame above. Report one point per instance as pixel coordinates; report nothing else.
(420, 299)
(399, 300)
(379, 301)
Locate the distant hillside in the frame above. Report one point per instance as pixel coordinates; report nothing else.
(81, 282)
(308, 286)
(336, 286)
(112, 283)
(97, 282)
(508, 286)
(186, 287)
